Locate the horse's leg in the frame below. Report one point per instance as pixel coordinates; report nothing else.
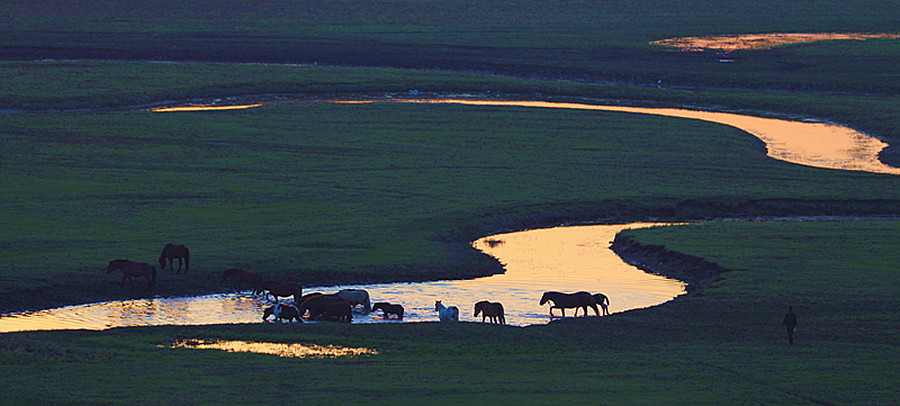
(122, 285)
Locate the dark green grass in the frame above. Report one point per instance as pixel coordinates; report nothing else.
(606, 41)
(326, 193)
(724, 344)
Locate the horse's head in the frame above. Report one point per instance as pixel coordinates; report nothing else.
(545, 298)
(438, 305)
(268, 312)
(479, 307)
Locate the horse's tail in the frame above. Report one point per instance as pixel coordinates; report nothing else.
(187, 260)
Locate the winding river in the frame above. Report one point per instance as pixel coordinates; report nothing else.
(563, 258)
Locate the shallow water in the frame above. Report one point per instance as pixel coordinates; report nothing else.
(563, 259)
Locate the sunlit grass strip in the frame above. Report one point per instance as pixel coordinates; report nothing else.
(279, 349)
(760, 41)
(204, 108)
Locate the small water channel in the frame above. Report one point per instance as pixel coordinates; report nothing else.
(564, 259)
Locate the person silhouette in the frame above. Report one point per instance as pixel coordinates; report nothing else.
(790, 323)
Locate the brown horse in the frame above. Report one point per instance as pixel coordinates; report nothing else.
(388, 308)
(241, 276)
(171, 252)
(492, 310)
(283, 289)
(131, 269)
(325, 307)
(563, 301)
(283, 312)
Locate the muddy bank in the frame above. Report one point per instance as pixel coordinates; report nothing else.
(657, 259)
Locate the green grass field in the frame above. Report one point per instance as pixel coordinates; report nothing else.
(328, 193)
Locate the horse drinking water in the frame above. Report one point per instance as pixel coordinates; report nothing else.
(357, 297)
(446, 313)
(171, 252)
(388, 308)
(131, 269)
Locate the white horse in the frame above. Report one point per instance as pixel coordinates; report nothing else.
(446, 313)
(356, 297)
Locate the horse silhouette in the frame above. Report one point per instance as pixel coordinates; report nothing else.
(388, 308)
(131, 269)
(170, 253)
(283, 312)
(563, 301)
(492, 310)
(356, 297)
(241, 277)
(325, 307)
(601, 301)
(282, 289)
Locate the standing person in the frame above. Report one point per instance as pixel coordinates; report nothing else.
(790, 322)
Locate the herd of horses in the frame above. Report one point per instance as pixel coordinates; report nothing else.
(338, 306)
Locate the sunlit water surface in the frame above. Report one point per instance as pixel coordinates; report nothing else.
(564, 259)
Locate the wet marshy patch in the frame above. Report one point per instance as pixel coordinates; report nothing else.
(286, 350)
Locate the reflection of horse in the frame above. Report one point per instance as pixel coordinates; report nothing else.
(601, 301)
(356, 297)
(130, 269)
(446, 313)
(171, 252)
(326, 307)
(282, 312)
(563, 301)
(241, 276)
(389, 309)
(493, 310)
(283, 289)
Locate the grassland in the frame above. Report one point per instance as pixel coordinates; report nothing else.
(333, 193)
(724, 345)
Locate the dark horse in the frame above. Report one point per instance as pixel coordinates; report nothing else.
(170, 253)
(283, 289)
(282, 312)
(241, 276)
(326, 307)
(131, 269)
(563, 301)
(388, 308)
(492, 310)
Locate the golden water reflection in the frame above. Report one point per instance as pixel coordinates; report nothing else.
(813, 144)
(730, 43)
(204, 108)
(279, 349)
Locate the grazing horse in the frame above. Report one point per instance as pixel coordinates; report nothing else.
(282, 312)
(601, 301)
(170, 253)
(356, 297)
(130, 269)
(563, 301)
(492, 310)
(283, 289)
(325, 307)
(446, 313)
(241, 276)
(388, 308)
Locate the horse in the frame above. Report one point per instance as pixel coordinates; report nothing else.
(171, 252)
(601, 301)
(446, 313)
(282, 312)
(241, 276)
(389, 309)
(565, 301)
(492, 310)
(130, 269)
(325, 306)
(356, 297)
(283, 289)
